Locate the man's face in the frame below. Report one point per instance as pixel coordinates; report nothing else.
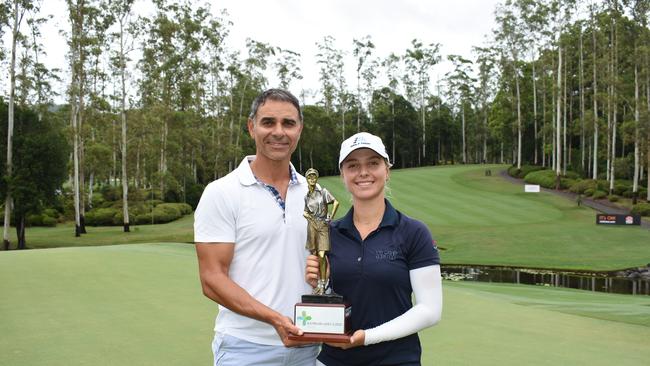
(276, 130)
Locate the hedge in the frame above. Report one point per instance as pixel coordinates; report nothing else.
(599, 194)
(525, 169)
(642, 209)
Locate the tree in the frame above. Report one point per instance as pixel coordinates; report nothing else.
(287, 67)
(40, 159)
(460, 88)
(419, 61)
(362, 50)
(121, 12)
(511, 36)
(17, 14)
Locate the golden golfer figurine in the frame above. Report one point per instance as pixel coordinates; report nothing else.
(317, 201)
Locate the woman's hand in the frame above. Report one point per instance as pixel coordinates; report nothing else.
(311, 271)
(357, 339)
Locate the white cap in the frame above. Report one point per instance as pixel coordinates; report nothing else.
(362, 140)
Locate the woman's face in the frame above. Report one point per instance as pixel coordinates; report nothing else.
(364, 174)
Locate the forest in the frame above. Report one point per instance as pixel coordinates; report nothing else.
(159, 104)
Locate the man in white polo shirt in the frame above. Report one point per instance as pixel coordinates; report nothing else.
(250, 240)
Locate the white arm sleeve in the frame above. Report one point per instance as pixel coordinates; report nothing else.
(427, 287)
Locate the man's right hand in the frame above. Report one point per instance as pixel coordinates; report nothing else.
(285, 327)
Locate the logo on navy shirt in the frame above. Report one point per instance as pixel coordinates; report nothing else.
(390, 255)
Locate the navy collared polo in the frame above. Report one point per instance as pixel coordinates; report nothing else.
(373, 276)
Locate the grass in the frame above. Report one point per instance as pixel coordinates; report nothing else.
(179, 231)
(141, 304)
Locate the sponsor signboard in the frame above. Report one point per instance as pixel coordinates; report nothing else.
(615, 219)
(531, 188)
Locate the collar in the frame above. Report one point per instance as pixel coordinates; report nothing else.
(247, 178)
(390, 218)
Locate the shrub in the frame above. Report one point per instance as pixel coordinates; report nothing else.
(143, 219)
(566, 183)
(599, 194)
(582, 185)
(545, 178)
(35, 220)
(612, 198)
(572, 175)
(525, 169)
(111, 193)
(49, 221)
(101, 216)
(589, 192)
(51, 213)
(642, 209)
(620, 187)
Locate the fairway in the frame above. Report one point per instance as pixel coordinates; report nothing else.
(141, 304)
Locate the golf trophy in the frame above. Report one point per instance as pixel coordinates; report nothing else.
(322, 316)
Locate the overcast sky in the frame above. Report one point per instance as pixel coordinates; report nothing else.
(297, 25)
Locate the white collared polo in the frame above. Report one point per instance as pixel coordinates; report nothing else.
(269, 252)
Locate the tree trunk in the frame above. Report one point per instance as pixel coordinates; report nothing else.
(612, 175)
(535, 138)
(10, 121)
(124, 180)
(635, 182)
(564, 117)
(20, 230)
(582, 108)
(594, 169)
(462, 111)
(558, 116)
(518, 122)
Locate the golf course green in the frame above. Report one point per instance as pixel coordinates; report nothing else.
(83, 301)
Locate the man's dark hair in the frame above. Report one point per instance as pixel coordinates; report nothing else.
(277, 95)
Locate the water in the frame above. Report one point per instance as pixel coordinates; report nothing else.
(590, 281)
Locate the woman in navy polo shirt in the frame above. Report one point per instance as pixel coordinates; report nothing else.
(378, 260)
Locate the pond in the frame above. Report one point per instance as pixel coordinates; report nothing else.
(630, 282)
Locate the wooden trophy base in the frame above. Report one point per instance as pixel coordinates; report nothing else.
(322, 338)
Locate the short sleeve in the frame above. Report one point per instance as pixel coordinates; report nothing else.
(421, 248)
(328, 196)
(214, 218)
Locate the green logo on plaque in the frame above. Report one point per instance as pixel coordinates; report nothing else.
(304, 318)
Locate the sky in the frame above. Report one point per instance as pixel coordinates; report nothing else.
(457, 25)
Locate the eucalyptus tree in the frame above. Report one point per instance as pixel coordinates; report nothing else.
(215, 35)
(509, 33)
(124, 39)
(419, 61)
(81, 15)
(328, 57)
(287, 64)
(485, 59)
(534, 14)
(391, 67)
(461, 92)
(17, 10)
(333, 83)
(362, 51)
(614, 17)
